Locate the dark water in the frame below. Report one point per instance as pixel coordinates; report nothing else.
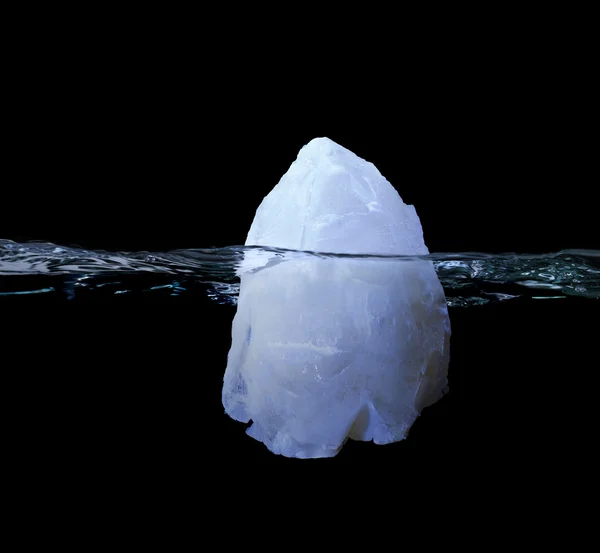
(468, 278)
(113, 363)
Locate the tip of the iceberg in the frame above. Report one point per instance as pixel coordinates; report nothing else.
(321, 146)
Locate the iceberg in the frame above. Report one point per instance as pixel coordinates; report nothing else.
(331, 200)
(327, 348)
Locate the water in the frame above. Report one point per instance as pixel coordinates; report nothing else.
(113, 360)
(469, 279)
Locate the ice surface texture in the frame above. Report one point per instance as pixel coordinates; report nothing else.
(330, 200)
(326, 349)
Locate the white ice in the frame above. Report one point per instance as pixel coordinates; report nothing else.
(331, 200)
(326, 349)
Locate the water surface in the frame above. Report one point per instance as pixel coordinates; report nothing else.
(468, 278)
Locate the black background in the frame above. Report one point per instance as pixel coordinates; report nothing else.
(135, 140)
(494, 174)
(132, 149)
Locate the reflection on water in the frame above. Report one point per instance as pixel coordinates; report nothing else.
(467, 278)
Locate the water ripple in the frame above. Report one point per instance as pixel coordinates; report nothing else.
(468, 278)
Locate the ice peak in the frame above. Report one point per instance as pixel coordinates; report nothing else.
(322, 147)
(322, 144)
(332, 200)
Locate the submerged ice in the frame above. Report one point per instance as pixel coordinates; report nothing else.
(326, 349)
